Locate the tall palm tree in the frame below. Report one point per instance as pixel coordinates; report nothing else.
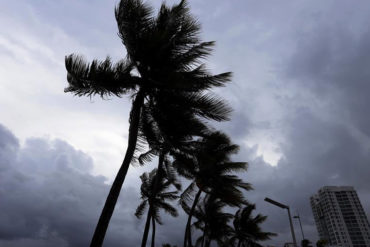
(306, 243)
(212, 221)
(322, 243)
(164, 53)
(247, 230)
(165, 136)
(155, 194)
(210, 168)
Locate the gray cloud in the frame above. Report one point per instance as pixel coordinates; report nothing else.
(300, 78)
(49, 198)
(316, 153)
(333, 63)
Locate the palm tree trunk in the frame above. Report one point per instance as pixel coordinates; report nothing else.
(208, 242)
(153, 232)
(187, 237)
(239, 243)
(159, 172)
(147, 226)
(204, 234)
(110, 203)
(157, 181)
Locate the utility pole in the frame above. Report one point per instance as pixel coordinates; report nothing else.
(280, 205)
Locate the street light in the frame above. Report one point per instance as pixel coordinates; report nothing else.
(299, 218)
(280, 205)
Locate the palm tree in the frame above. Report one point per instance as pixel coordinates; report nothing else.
(306, 243)
(209, 167)
(165, 136)
(155, 194)
(212, 221)
(164, 53)
(321, 243)
(247, 230)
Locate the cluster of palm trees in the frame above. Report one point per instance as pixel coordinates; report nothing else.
(172, 106)
(213, 186)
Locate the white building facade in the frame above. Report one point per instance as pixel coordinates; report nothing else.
(340, 218)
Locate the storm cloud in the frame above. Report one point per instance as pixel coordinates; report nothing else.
(49, 198)
(300, 94)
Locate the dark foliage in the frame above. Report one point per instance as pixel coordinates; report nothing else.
(164, 58)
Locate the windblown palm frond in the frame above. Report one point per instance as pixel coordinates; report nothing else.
(99, 77)
(212, 221)
(247, 228)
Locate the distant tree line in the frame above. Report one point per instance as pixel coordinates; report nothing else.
(172, 106)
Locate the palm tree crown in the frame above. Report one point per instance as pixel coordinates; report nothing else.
(212, 221)
(157, 199)
(209, 166)
(163, 52)
(155, 194)
(247, 229)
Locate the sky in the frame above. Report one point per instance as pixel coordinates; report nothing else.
(300, 87)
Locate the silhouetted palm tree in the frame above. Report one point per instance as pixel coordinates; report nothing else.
(247, 230)
(155, 194)
(210, 167)
(322, 243)
(212, 221)
(164, 53)
(306, 243)
(165, 136)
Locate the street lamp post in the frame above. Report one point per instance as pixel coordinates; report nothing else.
(280, 205)
(300, 224)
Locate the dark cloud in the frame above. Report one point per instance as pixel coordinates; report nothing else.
(323, 83)
(316, 153)
(333, 63)
(300, 68)
(48, 197)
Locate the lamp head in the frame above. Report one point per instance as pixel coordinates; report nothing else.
(280, 205)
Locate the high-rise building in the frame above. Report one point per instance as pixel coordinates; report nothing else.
(340, 218)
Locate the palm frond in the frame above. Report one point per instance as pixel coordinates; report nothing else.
(180, 27)
(171, 174)
(235, 166)
(99, 77)
(184, 166)
(134, 20)
(247, 228)
(187, 194)
(147, 156)
(172, 195)
(210, 107)
(140, 209)
(193, 56)
(207, 105)
(156, 215)
(168, 208)
(195, 80)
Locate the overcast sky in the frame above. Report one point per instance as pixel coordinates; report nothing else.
(300, 94)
